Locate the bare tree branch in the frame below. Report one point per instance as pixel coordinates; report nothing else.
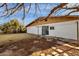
(75, 9)
(23, 12)
(21, 6)
(35, 9)
(38, 8)
(71, 8)
(2, 5)
(70, 12)
(6, 9)
(16, 9)
(13, 7)
(29, 8)
(56, 8)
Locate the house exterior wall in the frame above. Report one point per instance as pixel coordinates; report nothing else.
(78, 29)
(62, 29)
(33, 30)
(65, 30)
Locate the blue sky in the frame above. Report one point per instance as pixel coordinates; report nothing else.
(44, 8)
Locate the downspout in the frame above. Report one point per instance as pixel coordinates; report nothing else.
(77, 34)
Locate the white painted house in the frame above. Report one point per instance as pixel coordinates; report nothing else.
(59, 26)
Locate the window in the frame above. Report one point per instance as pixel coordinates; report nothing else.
(52, 28)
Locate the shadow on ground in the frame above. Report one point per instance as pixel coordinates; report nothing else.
(38, 47)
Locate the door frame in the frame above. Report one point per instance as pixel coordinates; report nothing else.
(47, 30)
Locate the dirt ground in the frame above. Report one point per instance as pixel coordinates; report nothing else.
(32, 45)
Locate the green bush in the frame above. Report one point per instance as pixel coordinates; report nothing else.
(13, 26)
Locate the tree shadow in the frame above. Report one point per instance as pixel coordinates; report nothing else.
(27, 47)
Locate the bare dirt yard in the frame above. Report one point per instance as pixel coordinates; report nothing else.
(33, 45)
